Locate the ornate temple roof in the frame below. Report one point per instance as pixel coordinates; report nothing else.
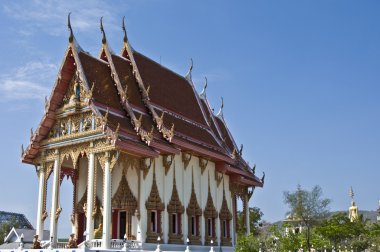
(154, 110)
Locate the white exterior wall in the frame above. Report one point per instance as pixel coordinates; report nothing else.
(165, 185)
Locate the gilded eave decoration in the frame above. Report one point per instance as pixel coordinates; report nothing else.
(186, 157)
(237, 189)
(74, 126)
(167, 161)
(203, 164)
(145, 164)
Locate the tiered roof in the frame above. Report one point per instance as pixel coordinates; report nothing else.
(157, 110)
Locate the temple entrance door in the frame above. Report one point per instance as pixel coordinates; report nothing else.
(125, 225)
(122, 224)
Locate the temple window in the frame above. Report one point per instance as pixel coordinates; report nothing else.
(175, 211)
(154, 207)
(153, 221)
(194, 212)
(210, 214)
(225, 217)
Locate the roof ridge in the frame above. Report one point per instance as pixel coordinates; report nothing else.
(137, 123)
(168, 134)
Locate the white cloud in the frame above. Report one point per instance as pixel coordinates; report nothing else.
(51, 16)
(28, 82)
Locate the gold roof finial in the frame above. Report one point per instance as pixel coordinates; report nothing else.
(125, 32)
(71, 37)
(104, 40)
(351, 194)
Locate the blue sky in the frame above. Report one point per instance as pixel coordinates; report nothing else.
(300, 81)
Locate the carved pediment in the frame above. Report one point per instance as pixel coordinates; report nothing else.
(175, 205)
(77, 93)
(124, 198)
(225, 213)
(193, 208)
(210, 211)
(154, 201)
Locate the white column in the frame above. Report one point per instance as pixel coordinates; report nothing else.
(54, 200)
(106, 204)
(247, 224)
(90, 195)
(41, 199)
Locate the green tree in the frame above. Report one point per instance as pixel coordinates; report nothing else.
(336, 229)
(255, 216)
(248, 244)
(6, 227)
(308, 207)
(340, 231)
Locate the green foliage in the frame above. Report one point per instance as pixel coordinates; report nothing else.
(255, 216)
(247, 244)
(308, 208)
(6, 227)
(340, 231)
(336, 229)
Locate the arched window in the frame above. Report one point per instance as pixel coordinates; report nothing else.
(194, 212)
(175, 210)
(154, 207)
(210, 215)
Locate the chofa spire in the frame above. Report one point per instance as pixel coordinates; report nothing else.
(220, 113)
(104, 40)
(203, 93)
(71, 36)
(125, 32)
(188, 76)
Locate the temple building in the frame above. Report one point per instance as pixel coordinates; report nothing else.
(148, 158)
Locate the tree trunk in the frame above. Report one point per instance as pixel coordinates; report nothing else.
(308, 238)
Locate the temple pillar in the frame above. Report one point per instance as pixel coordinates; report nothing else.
(234, 219)
(41, 200)
(106, 203)
(246, 212)
(54, 215)
(90, 198)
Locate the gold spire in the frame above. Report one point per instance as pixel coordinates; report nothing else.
(351, 194)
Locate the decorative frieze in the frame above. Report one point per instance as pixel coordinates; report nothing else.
(73, 127)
